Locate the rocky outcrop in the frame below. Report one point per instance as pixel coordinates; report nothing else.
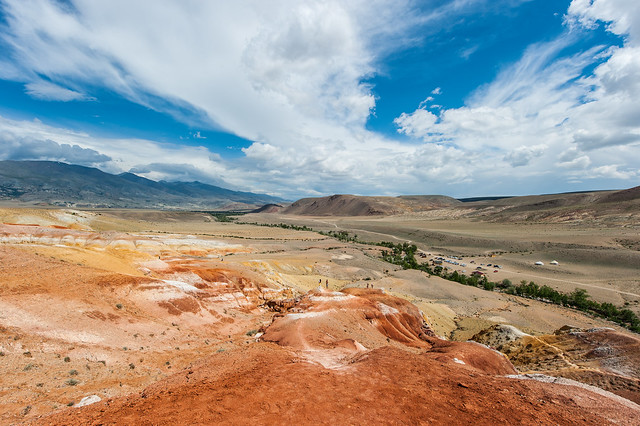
(499, 335)
(600, 357)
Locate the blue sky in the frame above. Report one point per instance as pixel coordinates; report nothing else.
(306, 98)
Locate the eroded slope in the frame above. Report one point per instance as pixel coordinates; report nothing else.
(418, 379)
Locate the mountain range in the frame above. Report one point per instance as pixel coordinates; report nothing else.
(66, 185)
(61, 184)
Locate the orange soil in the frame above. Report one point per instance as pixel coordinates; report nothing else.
(357, 356)
(429, 381)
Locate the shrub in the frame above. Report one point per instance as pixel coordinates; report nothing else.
(505, 283)
(489, 285)
(404, 255)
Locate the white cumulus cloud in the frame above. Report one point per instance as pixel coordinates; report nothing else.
(417, 123)
(523, 155)
(291, 77)
(546, 115)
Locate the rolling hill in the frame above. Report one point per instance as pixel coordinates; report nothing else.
(545, 208)
(353, 205)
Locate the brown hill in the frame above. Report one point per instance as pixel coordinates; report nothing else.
(269, 208)
(353, 205)
(600, 206)
(630, 194)
(566, 207)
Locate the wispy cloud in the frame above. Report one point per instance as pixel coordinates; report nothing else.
(287, 75)
(52, 92)
(544, 113)
(291, 77)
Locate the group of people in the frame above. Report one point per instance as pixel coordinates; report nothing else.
(326, 283)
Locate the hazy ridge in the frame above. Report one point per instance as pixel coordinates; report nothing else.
(63, 184)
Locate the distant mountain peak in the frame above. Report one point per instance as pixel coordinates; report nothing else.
(64, 184)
